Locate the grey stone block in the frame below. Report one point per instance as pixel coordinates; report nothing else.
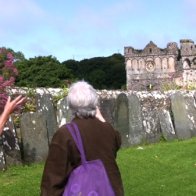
(34, 137)
(136, 131)
(122, 118)
(46, 107)
(184, 114)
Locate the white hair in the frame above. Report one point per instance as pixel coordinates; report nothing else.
(82, 99)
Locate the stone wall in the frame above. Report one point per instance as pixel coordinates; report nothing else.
(141, 117)
(152, 66)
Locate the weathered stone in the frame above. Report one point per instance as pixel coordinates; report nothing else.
(34, 137)
(167, 127)
(136, 130)
(2, 158)
(122, 118)
(11, 146)
(46, 107)
(141, 117)
(184, 114)
(107, 107)
(64, 114)
(150, 104)
(151, 67)
(191, 112)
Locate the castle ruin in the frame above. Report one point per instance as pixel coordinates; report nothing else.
(153, 66)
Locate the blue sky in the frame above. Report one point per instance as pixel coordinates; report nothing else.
(79, 29)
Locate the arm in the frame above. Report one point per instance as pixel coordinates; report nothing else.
(117, 134)
(10, 106)
(60, 161)
(99, 115)
(54, 175)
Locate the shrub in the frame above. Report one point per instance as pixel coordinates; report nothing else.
(8, 73)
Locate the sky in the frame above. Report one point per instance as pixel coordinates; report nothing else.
(82, 29)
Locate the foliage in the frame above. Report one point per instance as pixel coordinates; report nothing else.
(101, 72)
(30, 105)
(42, 72)
(18, 56)
(191, 86)
(166, 86)
(8, 73)
(63, 93)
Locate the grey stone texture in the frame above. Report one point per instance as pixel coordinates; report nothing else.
(2, 158)
(11, 146)
(63, 113)
(122, 118)
(167, 128)
(46, 107)
(136, 130)
(34, 137)
(141, 117)
(107, 107)
(10, 152)
(184, 114)
(150, 104)
(149, 68)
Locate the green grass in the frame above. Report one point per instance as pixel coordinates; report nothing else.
(21, 180)
(159, 170)
(164, 169)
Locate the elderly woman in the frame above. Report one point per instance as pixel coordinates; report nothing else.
(99, 138)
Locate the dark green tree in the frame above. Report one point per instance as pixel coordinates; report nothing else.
(42, 72)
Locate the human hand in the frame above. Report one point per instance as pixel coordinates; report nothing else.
(11, 105)
(99, 115)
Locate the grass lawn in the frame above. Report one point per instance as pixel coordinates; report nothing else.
(164, 169)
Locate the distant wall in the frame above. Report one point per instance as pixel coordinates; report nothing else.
(141, 118)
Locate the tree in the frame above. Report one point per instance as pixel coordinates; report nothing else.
(8, 73)
(104, 72)
(101, 72)
(42, 72)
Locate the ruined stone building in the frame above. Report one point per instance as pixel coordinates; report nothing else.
(153, 66)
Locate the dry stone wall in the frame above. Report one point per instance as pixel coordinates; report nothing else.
(141, 117)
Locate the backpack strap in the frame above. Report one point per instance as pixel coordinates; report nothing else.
(75, 133)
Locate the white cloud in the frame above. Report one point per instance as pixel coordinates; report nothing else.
(11, 9)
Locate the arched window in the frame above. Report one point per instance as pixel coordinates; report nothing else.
(194, 61)
(186, 64)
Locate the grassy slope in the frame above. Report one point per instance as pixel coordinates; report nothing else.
(160, 169)
(156, 170)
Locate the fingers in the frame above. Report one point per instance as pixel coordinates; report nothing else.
(8, 100)
(21, 101)
(11, 105)
(18, 100)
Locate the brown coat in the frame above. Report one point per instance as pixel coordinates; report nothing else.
(100, 141)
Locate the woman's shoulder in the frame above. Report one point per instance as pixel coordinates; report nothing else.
(61, 135)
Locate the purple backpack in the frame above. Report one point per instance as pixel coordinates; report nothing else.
(89, 178)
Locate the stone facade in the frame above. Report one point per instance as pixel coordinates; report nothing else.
(153, 66)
